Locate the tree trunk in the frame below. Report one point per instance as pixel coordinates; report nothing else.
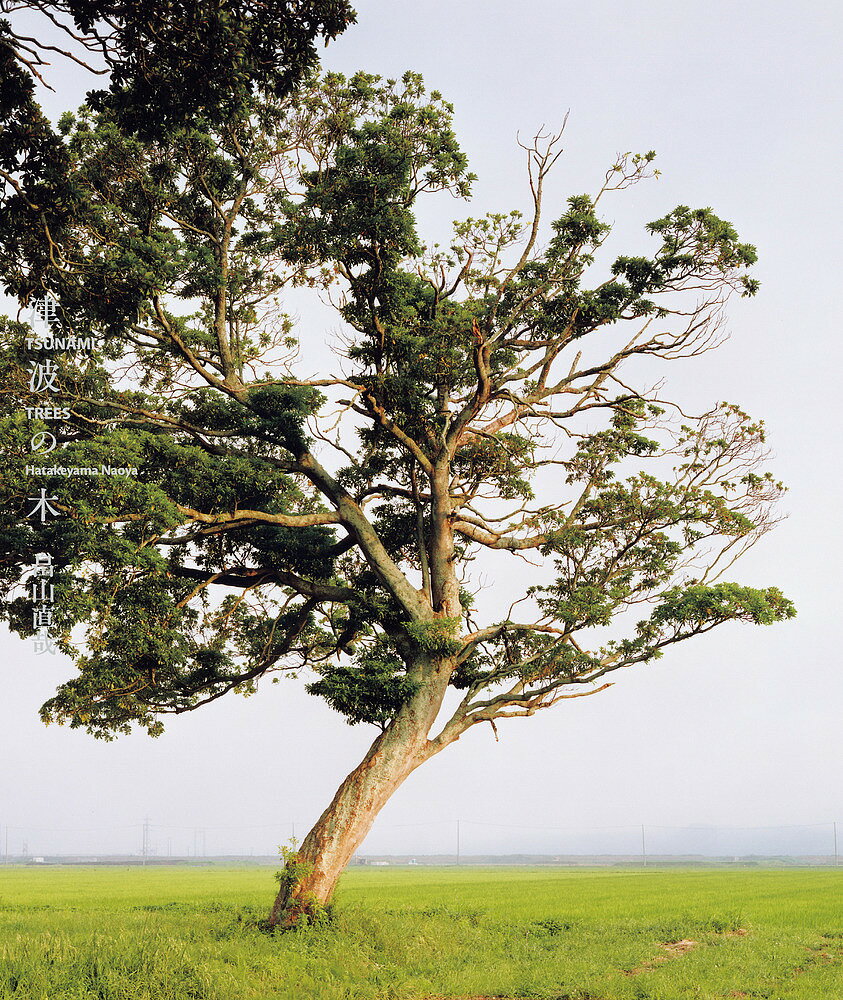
(312, 876)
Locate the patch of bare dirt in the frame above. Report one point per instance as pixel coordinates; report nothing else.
(676, 949)
(672, 950)
(828, 953)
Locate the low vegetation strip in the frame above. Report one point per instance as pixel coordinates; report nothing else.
(424, 934)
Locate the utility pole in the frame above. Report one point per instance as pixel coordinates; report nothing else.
(145, 849)
(836, 855)
(204, 847)
(458, 842)
(643, 846)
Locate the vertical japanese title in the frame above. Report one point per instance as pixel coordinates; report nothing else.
(44, 373)
(43, 378)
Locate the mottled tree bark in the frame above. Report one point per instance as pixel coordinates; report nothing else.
(342, 827)
(403, 745)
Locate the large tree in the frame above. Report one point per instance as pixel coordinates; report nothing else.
(158, 66)
(490, 399)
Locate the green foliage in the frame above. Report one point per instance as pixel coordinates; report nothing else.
(372, 689)
(693, 609)
(388, 143)
(294, 870)
(439, 636)
(255, 536)
(724, 601)
(301, 909)
(170, 66)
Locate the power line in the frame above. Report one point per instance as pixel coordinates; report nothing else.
(810, 840)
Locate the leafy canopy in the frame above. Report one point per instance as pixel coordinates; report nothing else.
(478, 407)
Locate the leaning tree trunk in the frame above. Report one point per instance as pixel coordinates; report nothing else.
(308, 881)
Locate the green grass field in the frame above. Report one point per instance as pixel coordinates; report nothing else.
(132, 933)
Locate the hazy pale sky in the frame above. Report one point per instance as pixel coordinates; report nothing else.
(738, 728)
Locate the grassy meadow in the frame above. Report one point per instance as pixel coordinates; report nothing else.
(172, 933)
